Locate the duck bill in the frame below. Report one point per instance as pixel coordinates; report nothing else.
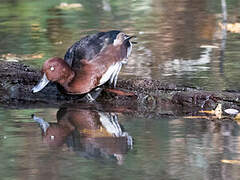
(41, 84)
(44, 125)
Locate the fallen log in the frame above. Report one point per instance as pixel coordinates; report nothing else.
(17, 80)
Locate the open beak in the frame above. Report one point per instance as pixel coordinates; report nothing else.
(41, 84)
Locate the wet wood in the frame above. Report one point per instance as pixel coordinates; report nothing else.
(17, 80)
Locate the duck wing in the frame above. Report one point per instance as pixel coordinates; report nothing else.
(88, 47)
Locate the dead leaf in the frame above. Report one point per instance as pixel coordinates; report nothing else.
(37, 28)
(209, 46)
(66, 6)
(237, 117)
(58, 42)
(231, 161)
(218, 111)
(17, 57)
(36, 56)
(9, 57)
(208, 112)
(233, 28)
(196, 117)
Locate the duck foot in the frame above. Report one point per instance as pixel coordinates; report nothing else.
(89, 97)
(120, 92)
(93, 95)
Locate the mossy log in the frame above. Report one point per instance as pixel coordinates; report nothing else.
(17, 80)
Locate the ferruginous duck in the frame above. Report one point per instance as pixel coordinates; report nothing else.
(89, 46)
(89, 74)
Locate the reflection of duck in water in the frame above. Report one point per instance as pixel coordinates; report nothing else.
(92, 134)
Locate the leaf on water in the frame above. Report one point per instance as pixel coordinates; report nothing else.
(196, 117)
(208, 112)
(37, 27)
(217, 114)
(233, 28)
(209, 46)
(237, 117)
(16, 57)
(231, 111)
(36, 56)
(66, 6)
(10, 57)
(218, 111)
(231, 161)
(12, 60)
(58, 42)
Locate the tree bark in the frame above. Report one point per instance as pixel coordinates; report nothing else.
(151, 96)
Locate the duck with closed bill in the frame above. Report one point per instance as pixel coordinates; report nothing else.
(82, 76)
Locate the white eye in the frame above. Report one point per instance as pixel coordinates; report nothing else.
(51, 68)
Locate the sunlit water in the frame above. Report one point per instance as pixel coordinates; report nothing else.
(178, 41)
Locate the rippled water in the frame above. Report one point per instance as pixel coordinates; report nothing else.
(77, 143)
(178, 41)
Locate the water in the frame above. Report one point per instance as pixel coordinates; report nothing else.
(76, 144)
(178, 41)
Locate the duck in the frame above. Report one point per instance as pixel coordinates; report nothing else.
(79, 75)
(92, 132)
(89, 46)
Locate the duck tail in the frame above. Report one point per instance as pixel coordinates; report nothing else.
(126, 48)
(127, 39)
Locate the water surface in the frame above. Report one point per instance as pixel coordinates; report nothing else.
(77, 144)
(172, 36)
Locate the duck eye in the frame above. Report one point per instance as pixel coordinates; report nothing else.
(52, 68)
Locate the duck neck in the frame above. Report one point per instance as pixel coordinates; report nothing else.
(69, 78)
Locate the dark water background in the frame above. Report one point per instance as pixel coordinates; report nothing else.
(178, 41)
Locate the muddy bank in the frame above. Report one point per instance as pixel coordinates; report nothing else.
(150, 96)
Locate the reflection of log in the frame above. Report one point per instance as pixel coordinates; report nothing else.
(151, 95)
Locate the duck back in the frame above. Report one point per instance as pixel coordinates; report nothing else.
(88, 47)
